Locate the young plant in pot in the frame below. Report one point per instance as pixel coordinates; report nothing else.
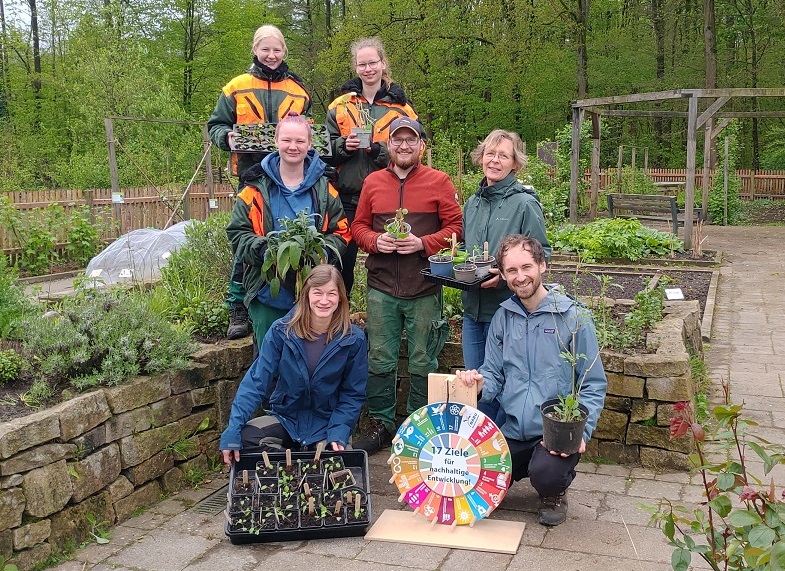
(396, 227)
(465, 272)
(482, 260)
(293, 251)
(564, 417)
(364, 128)
(443, 260)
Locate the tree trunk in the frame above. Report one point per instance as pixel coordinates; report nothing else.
(581, 25)
(5, 85)
(189, 50)
(36, 82)
(710, 57)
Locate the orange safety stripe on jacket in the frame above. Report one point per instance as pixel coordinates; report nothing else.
(249, 109)
(252, 197)
(347, 116)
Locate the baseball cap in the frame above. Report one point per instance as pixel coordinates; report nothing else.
(407, 123)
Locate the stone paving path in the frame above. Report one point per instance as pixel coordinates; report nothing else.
(605, 528)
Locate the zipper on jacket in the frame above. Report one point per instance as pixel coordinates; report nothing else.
(270, 99)
(401, 182)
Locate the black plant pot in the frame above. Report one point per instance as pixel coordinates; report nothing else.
(560, 436)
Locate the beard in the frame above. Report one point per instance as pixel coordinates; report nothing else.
(404, 161)
(528, 291)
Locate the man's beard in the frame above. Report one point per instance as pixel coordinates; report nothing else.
(405, 161)
(528, 291)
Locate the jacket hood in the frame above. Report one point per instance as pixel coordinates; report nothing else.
(502, 189)
(314, 170)
(392, 93)
(556, 301)
(258, 69)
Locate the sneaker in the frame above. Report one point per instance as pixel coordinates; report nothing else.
(238, 322)
(553, 509)
(375, 439)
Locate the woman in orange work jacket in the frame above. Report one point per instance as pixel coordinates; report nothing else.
(266, 93)
(372, 94)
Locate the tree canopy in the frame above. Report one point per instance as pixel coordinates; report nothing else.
(469, 66)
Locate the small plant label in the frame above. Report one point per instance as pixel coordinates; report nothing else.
(674, 293)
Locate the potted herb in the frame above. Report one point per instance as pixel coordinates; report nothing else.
(465, 272)
(396, 227)
(265, 468)
(297, 248)
(483, 261)
(442, 261)
(362, 114)
(739, 525)
(336, 514)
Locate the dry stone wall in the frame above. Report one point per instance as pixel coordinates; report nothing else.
(111, 452)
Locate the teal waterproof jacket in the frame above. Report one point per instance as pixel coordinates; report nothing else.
(491, 214)
(324, 406)
(524, 368)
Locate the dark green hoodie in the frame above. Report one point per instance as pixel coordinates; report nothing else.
(491, 214)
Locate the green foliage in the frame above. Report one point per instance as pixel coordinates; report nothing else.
(11, 365)
(99, 530)
(84, 239)
(614, 238)
(193, 283)
(6, 566)
(741, 525)
(452, 303)
(636, 181)
(298, 247)
(554, 192)
(100, 340)
(716, 205)
(13, 302)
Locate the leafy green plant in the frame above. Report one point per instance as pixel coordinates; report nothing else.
(298, 247)
(6, 566)
(84, 240)
(741, 525)
(11, 364)
(189, 444)
(452, 303)
(396, 226)
(716, 206)
(99, 530)
(614, 238)
(14, 304)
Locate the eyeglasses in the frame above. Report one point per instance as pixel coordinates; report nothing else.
(398, 141)
(368, 65)
(497, 155)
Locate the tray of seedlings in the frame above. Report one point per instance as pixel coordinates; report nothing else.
(285, 496)
(260, 138)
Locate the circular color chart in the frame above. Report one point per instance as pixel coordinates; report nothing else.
(451, 463)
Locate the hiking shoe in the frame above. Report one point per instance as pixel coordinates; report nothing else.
(553, 509)
(238, 322)
(375, 439)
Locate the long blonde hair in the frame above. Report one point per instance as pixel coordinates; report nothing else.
(301, 323)
(269, 31)
(376, 43)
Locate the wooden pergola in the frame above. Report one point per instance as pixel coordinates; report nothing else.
(703, 107)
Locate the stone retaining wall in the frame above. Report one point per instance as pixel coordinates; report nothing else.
(634, 426)
(111, 452)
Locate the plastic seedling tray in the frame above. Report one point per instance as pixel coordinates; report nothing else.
(260, 138)
(278, 509)
(450, 282)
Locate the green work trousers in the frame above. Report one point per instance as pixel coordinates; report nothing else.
(262, 317)
(388, 317)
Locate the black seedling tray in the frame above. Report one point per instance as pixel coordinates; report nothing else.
(354, 476)
(260, 138)
(450, 282)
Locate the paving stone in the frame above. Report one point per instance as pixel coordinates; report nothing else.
(228, 556)
(166, 550)
(416, 556)
(463, 559)
(537, 558)
(119, 537)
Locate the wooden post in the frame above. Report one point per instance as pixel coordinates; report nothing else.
(460, 175)
(577, 119)
(113, 175)
(725, 183)
(618, 168)
(595, 164)
(705, 179)
(634, 149)
(88, 199)
(646, 160)
(692, 121)
(208, 167)
(752, 185)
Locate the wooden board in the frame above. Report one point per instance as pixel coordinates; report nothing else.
(443, 388)
(487, 535)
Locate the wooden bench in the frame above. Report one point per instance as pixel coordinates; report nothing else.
(648, 207)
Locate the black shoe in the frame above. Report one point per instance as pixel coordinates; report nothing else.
(375, 439)
(553, 509)
(238, 322)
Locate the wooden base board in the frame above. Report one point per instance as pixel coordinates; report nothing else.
(487, 534)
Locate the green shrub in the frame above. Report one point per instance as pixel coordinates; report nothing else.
(716, 206)
(38, 240)
(11, 365)
(13, 302)
(84, 240)
(647, 311)
(103, 340)
(614, 238)
(195, 280)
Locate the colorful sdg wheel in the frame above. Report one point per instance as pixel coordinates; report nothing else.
(451, 463)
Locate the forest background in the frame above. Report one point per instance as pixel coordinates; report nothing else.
(469, 66)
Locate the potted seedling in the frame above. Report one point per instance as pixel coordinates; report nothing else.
(332, 464)
(362, 116)
(265, 468)
(296, 248)
(396, 227)
(442, 261)
(267, 519)
(311, 466)
(336, 514)
(483, 261)
(243, 484)
(357, 512)
(287, 516)
(312, 513)
(465, 272)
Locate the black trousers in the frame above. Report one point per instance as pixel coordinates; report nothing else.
(550, 475)
(349, 258)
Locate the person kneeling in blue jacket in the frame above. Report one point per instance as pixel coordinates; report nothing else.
(319, 360)
(525, 366)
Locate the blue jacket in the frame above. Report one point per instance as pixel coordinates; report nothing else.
(323, 407)
(523, 366)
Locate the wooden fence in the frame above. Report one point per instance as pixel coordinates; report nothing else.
(134, 208)
(754, 184)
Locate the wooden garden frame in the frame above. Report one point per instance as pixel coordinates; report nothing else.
(715, 100)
